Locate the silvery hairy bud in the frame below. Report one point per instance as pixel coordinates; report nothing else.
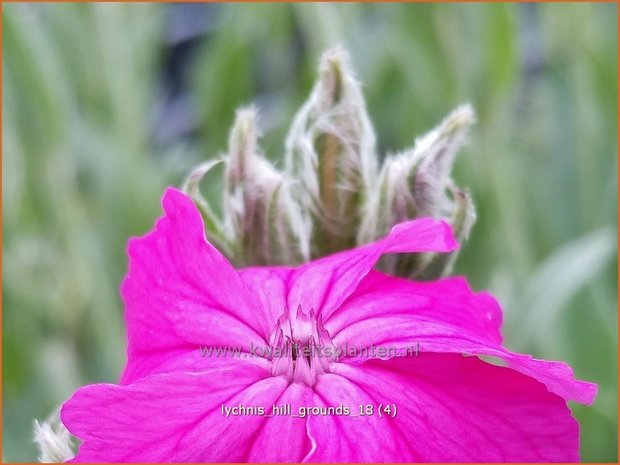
(330, 151)
(331, 196)
(263, 223)
(53, 440)
(216, 230)
(418, 183)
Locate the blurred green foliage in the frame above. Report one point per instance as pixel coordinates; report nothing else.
(82, 173)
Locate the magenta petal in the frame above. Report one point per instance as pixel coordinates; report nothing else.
(188, 360)
(440, 316)
(324, 284)
(282, 437)
(268, 287)
(447, 302)
(449, 408)
(352, 438)
(180, 291)
(173, 417)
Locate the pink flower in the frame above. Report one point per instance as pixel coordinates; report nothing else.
(183, 299)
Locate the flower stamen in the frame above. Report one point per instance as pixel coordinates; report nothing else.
(301, 348)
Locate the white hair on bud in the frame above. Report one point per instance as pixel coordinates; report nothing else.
(325, 112)
(391, 201)
(331, 195)
(435, 153)
(417, 182)
(332, 185)
(259, 211)
(53, 440)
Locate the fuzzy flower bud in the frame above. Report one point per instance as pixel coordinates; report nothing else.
(431, 266)
(436, 151)
(215, 228)
(332, 197)
(418, 183)
(53, 440)
(264, 225)
(331, 152)
(391, 200)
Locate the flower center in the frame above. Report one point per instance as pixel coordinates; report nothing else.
(301, 348)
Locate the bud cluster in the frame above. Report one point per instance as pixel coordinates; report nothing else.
(331, 194)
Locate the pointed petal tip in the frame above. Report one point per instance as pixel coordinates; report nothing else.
(175, 204)
(422, 235)
(589, 392)
(172, 197)
(450, 241)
